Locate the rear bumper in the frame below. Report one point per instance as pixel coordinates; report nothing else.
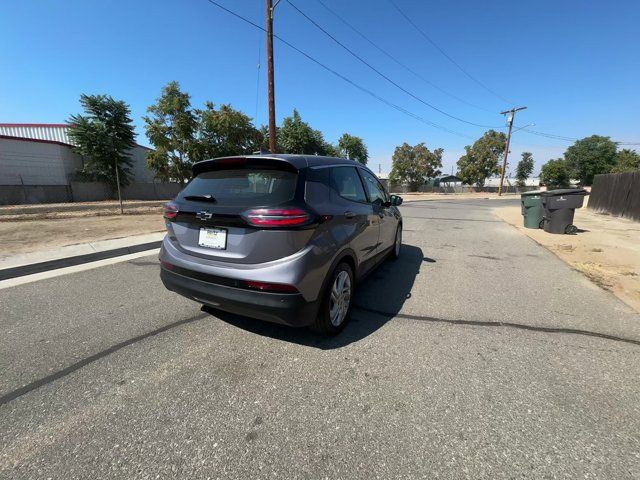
(287, 309)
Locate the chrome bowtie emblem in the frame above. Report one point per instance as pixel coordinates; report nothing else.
(204, 215)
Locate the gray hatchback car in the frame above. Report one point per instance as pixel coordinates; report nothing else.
(282, 238)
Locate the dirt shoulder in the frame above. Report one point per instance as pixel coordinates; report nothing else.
(14, 213)
(606, 250)
(33, 235)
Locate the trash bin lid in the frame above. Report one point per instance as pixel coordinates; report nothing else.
(534, 192)
(564, 191)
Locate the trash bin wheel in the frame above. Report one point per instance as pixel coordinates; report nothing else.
(571, 230)
(541, 225)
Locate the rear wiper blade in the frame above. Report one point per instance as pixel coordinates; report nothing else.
(202, 198)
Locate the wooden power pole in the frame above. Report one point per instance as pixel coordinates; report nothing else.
(506, 149)
(270, 81)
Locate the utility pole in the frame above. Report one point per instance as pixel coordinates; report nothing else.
(270, 81)
(506, 149)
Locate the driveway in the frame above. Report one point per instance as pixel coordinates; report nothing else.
(478, 354)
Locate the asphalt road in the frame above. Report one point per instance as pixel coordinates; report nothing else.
(478, 354)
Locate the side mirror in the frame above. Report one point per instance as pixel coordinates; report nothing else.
(396, 200)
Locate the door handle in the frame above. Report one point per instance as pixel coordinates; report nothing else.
(349, 214)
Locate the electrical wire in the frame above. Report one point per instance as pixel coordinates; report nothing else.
(258, 77)
(445, 54)
(363, 61)
(398, 62)
(569, 139)
(342, 77)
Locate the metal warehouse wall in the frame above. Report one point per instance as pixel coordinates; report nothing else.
(36, 163)
(24, 162)
(617, 194)
(141, 174)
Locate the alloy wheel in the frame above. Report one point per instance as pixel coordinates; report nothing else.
(340, 298)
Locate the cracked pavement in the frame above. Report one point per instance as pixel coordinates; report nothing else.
(479, 354)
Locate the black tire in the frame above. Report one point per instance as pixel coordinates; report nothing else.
(397, 244)
(324, 323)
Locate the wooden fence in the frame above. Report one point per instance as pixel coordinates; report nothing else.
(617, 194)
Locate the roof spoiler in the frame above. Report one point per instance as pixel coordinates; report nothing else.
(228, 163)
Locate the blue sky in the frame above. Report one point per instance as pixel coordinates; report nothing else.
(575, 64)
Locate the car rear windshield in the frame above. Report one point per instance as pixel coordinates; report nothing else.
(244, 187)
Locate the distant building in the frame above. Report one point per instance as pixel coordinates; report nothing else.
(446, 181)
(384, 179)
(42, 154)
(38, 165)
(511, 181)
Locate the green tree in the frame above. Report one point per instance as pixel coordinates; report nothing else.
(524, 168)
(104, 136)
(225, 132)
(172, 128)
(353, 147)
(297, 136)
(482, 159)
(415, 165)
(556, 173)
(332, 150)
(626, 161)
(590, 156)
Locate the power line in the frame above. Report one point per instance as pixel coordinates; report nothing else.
(569, 139)
(258, 77)
(359, 58)
(398, 62)
(447, 56)
(342, 77)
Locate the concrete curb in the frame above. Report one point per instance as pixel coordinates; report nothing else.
(22, 270)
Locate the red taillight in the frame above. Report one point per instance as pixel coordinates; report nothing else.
(270, 287)
(277, 217)
(167, 265)
(170, 210)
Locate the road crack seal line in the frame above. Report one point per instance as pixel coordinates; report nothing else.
(518, 326)
(8, 397)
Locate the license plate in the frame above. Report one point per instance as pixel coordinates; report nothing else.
(213, 238)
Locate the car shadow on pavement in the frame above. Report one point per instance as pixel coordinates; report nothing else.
(378, 298)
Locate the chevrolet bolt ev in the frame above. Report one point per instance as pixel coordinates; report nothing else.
(282, 238)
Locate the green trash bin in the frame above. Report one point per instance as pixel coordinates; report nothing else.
(532, 209)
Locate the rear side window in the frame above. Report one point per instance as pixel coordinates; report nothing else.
(374, 189)
(347, 183)
(244, 187)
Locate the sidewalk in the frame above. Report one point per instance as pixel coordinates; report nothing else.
(68, 251)
(607, 250)
(17, 269)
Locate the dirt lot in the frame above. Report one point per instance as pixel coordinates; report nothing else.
(606, 250)
(75, 210)
(30, 235)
